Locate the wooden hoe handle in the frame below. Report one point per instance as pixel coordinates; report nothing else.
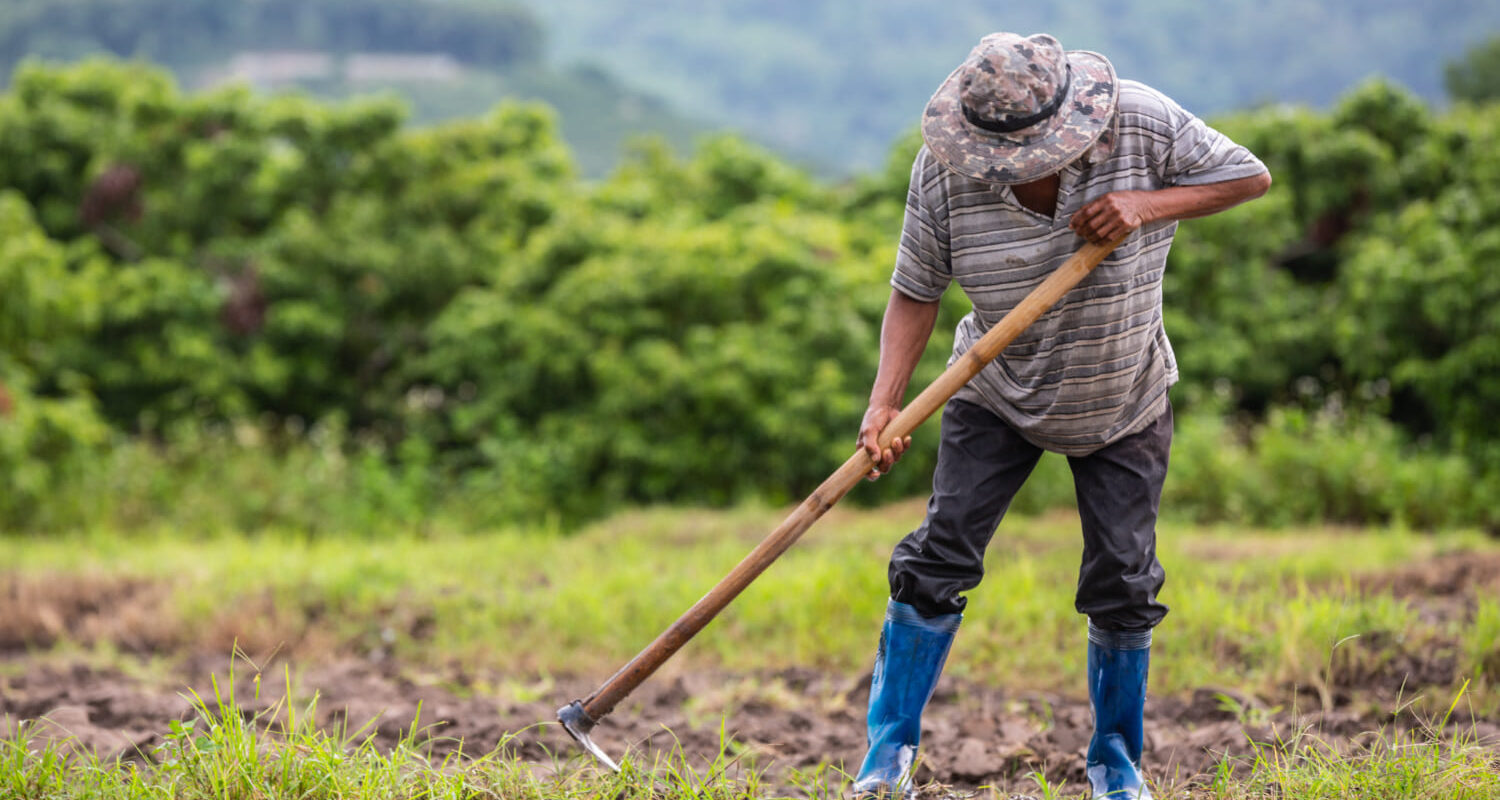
(1043, 297)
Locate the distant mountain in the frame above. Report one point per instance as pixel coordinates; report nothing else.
(838, 80)
(446, 58)
(494, 34)
(829, 83)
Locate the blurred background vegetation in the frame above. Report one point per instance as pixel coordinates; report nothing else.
(828, 84)
(231, 306)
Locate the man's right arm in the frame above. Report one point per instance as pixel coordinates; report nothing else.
(904, 333)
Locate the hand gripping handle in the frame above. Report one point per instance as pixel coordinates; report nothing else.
(580, 717)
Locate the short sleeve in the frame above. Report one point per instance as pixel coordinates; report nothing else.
(923, 270)
(1196, 154)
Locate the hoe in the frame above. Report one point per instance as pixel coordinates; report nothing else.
(579, 717)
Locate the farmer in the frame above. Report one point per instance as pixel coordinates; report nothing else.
(1029, 151)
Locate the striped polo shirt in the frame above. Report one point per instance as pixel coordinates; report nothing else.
(1096, 367)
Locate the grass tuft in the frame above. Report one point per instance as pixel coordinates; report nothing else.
(224, 753)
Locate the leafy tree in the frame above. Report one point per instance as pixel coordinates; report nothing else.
(47, 302)
(1476, 76)
(687, 330)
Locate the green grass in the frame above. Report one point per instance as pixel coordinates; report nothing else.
(279, 753)
(220, 755)
(1387, 765)
(1263, 612)
(1257, 610)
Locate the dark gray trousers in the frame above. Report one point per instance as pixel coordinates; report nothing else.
(981, 465)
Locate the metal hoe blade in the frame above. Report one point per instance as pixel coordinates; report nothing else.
(578, 723)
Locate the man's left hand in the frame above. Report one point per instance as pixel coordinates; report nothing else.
(1112, 216)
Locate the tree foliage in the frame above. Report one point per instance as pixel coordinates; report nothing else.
(700, 330)
(1372, 258)
(1476, 76)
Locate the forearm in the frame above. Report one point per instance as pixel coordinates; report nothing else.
(1115, 214)
(1186, 202)
(904, 333)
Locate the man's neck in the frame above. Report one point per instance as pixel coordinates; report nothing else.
(1039, 195)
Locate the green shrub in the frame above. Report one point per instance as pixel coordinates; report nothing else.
(472, 329)
(1321, 466)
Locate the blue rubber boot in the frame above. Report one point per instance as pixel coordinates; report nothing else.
(911, 655)
(1118, 663)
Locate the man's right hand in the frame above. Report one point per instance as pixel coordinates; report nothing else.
(903, 333)
(877, 416)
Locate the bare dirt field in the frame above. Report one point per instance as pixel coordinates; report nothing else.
(781, 721)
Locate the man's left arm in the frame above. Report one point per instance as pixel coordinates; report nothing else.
(1118, 213)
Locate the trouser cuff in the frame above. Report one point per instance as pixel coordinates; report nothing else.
(906, 614)
(1120, 640)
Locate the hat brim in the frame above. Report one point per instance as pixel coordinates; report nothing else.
(1032, 153)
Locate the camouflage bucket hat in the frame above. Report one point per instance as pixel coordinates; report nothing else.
(1020, 108)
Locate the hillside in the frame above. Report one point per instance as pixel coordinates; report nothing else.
(454, 58)
(831, 84)
(837, 81)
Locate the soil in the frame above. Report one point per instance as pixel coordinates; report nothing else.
(791, 720)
